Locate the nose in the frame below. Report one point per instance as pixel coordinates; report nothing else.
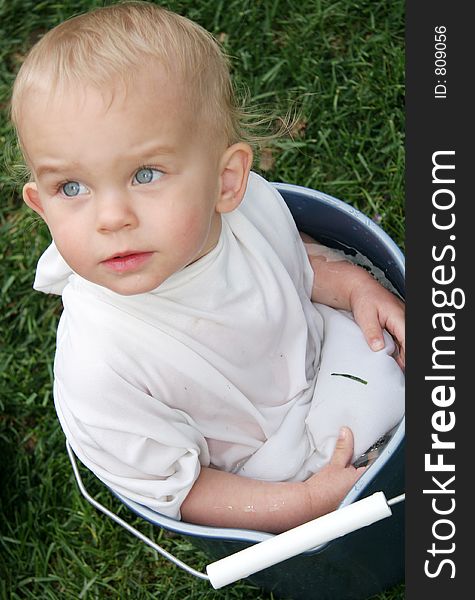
(114, 211)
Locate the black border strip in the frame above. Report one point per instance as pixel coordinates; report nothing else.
(439, 203)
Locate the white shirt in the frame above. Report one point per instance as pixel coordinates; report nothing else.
(216, 367)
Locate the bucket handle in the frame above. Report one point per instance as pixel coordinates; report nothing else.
(273, 550)
(176, 561)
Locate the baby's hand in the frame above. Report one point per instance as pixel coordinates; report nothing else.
(328, 487)
(342, 284)
(375, 308)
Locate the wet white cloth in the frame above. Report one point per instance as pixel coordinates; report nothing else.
(227, 364)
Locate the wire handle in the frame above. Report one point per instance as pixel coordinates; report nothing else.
(176, 561)
(273, 550)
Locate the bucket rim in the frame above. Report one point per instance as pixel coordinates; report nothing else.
(349, 210)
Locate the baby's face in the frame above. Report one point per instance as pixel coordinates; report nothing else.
(129, 190)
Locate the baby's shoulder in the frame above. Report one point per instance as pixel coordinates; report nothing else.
(262, 203)
(264, 207)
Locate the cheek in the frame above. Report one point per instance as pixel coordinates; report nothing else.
(191, 236)
(69, 240)
(190, 223)
(70, 251)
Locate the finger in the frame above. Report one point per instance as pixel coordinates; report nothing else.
(400, 353)
(397, 329)
(396, 323)
(343, 452)
(401, 360)
(402, 349)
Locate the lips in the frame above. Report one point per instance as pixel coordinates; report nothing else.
(127, 261)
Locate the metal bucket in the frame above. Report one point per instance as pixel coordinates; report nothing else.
(363, 562)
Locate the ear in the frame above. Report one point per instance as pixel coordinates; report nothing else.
(32, 198)
(234, 168)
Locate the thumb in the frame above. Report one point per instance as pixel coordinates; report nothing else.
(367, 318)
(343, 452)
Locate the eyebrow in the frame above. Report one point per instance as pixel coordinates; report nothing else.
(141, 155)
(53, 169)
(148, 152)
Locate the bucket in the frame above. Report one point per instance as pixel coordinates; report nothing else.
(362, 562)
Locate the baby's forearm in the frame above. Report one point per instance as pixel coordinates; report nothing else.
(335, 280)
(335, 277)
(226, 500)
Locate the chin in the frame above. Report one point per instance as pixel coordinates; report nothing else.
(129, 288)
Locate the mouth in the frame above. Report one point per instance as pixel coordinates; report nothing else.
(126, 261)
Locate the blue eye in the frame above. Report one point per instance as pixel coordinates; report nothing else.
(73, 188)
(146, 175)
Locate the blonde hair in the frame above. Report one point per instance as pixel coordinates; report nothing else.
(112, 44)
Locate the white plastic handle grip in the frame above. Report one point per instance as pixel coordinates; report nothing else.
(300, 539)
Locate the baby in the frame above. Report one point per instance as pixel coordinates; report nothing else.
(194, 372)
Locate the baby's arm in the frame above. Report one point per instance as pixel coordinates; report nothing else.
(227, 500)
(342, 284)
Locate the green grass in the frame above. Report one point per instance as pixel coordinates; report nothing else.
(342, 65)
